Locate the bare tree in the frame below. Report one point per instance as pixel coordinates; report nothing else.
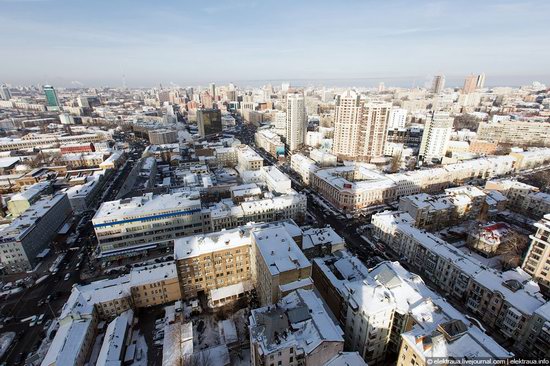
(395, 163)
(512, 250)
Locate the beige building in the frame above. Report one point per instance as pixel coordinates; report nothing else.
(207, 262)
(248, 159)
(160, 137)
(537, 260)
(360, 127)
(279, 265)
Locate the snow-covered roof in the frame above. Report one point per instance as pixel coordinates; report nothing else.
(298, 320)
(279, 251)
(114, 340)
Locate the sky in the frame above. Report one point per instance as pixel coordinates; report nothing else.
(96, 42)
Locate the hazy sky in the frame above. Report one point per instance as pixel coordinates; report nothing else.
(95, 42)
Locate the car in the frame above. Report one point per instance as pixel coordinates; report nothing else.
(67, 276)
(40, 319)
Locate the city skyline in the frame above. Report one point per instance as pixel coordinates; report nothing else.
(343, 44)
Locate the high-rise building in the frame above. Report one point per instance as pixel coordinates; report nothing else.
(438, 84)
(209, 121)
(213, 91)
(360, 128)
(435, 138)
(51, 96)
(296, 121)
(470, 84)
(398, 118)
(480, 82)
(537, 259)
(5, 93)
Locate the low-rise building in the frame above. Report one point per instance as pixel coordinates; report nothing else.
(270, 142)
(248, 159)
(21, 201)
(318, 242)
(162, 136)
(488, 238)
(502, 300)
(303, 166)
(522, 198)
(295, 331)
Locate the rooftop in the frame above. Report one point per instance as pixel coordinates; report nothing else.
(279, 251)
(297, 320)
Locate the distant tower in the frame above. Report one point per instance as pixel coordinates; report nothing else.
(213, 91)
(480, 83)
(5, 93)
(381, 87)
(438, 84)
(470, 84)
(123, 82)
(52, 100)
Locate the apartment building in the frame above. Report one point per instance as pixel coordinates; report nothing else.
(270, 142)
(502, 300)
(330, 274)
(31, 232)
(279, 266)
(516, 133)
(296, 121)
(434, 212)
(522, 198)
(537, 259)
(353, 187)
(360, 127)
(436, 136)
(535, 343)
(295, 331)
(451, 341)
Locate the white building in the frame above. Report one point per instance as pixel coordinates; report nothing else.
(435, 138)
(296, 121)
(397, 118)
(303, 166)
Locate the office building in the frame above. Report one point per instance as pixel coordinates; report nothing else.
(295, 331)
(360, 128)
(296, 121)
(133, 224)
(5, 93)
(31, 233)
(209, 122)
(436, 136)
(52, 101)
(470, 84)
(438, 84)
(537, 260)
(303, 166)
